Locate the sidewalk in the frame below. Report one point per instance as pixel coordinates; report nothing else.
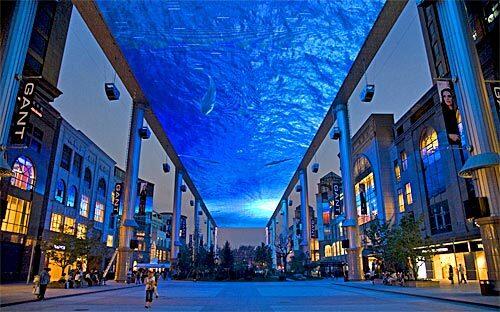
(16, 293)
(469, 293)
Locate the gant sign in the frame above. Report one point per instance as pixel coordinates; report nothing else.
(24, 105)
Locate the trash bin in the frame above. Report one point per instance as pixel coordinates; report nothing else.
(488, 288)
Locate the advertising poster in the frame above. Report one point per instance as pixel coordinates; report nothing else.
(451, 114)
(144, 200)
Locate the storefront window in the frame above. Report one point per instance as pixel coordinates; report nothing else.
(60, 191)
(69, 226)
(328, 251)
(56, 222)
(84, 206)
(24, 174)
(99, 212)
(109, 241)
(81, 231)
(17, 215)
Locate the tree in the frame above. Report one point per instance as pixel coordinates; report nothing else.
(98, 251)
(263, 256)
(299, 259)
(65, 249)
(226, 258)
(184, 260)
(281, 247)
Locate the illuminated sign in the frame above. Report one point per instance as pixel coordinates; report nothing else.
(25, 104)
(116, 197)
(335, 200)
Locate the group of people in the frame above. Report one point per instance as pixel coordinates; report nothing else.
(79, 278)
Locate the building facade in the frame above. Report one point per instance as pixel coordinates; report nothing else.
(23, 197)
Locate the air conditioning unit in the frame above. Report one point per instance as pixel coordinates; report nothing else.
(111, 91)
(183, 188)
(335, 134)
(166, 167)
(298, 188)
(315, 167)
(144, 133)
(367, 93)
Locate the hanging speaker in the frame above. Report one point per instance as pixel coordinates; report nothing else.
(335, 133)
(290, 202)
(367, 93)
(183, 188)
(166, 167)
(298, 188)
(144, 133)
(191, 203)
(111, 91)
(315, 167)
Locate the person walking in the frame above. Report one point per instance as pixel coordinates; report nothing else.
(149, 281)
(450, 274)
(461, 274)
(44, 281)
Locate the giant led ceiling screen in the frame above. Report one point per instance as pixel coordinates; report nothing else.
(240, 87)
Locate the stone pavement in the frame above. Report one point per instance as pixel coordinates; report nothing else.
(248, 296)
(15, 293)
(468, 293)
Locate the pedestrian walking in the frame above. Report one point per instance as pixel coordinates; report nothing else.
(450, 274)
(149, 281)
(157, 278)
(44, 281)
(461, 274)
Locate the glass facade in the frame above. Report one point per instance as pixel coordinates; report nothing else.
(17, 215)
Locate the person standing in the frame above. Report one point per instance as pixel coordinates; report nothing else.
(149, 281)
(461, 274)
(44, 281)
(450, 274)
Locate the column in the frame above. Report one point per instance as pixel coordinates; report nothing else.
(209, 234)
(15, 51)
(472, 100)
(130, 192)
(305, 219)
(273, 242)
(351, 223)
(176, 216)
(284, 211)
(197, 207)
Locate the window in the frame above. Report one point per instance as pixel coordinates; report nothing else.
(69, 226)
(99, 212)
(109, 241)
(56, 222)
(328, 251)
(70, 202)
(439, 217)
(401, 201)
(24, 174)
(404, 160)
(397, 171)
(87, 178)
(16, 216)
(81, 231)
(66, 157)
(409, 197)
(364, 187)
(77, 165)
(101, 188)
(60, 191)
(84, 206)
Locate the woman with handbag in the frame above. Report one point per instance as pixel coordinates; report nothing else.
(149, 281)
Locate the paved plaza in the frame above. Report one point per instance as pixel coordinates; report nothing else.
(246, 296)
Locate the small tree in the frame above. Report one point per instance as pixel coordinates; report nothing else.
(299, 259)
(184, 260)
(263, 256)
(65, 249)
(281, 246)
(226, 258)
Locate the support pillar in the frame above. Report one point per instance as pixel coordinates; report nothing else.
(354, 260)
(472, 100)
(176, 216)
(14, 56)
(209, 234)
(273, 243)
(197, 207)
(130, 192)
(284, 221)
(305, 218)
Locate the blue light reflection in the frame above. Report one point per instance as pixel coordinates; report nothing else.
(240, 87)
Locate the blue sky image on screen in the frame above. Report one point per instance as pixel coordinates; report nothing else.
(240, 87)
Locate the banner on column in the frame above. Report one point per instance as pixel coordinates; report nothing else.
(451, 114)
(495, 90)
(25, 105)
(336, 199)
(116, 198)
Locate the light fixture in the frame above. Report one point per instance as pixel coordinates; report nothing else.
(183, 188)
(290, 202)
(144, 133)
(111, 91)
(298, 188)
(191, 203)
(166, 167)
(367, 93)
(335, 134)
(5, 169)
(480, 161)
(315, 167)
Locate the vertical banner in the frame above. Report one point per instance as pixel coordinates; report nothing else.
(495, 90)
(24, 106)
(321, 215)
(362, 198)
(142, 197)
(451, 114)
(183, 228)
(314, 231)
(116, 198)
(336, 201)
